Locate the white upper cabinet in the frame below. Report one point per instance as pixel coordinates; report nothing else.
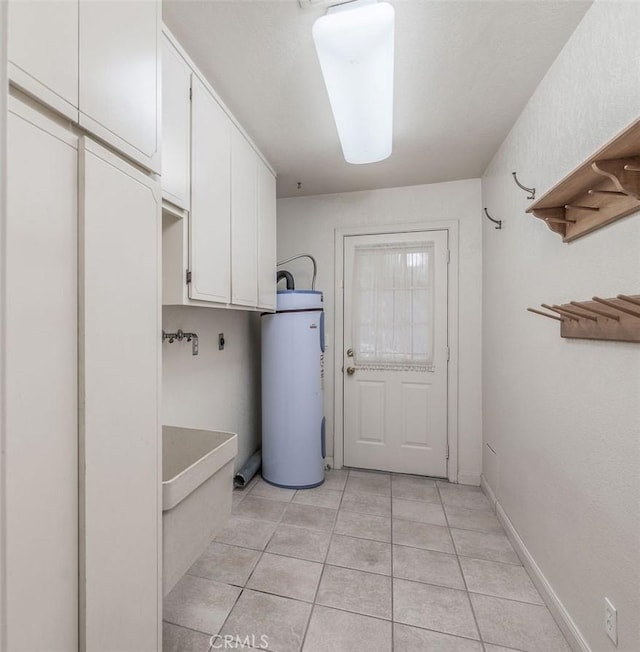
(119, 84)
(244, 224)
(43, 52)
(176, 116)
(266, 238)
(219, 218)
(210, 227)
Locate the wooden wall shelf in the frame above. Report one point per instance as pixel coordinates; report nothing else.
(602, 190)
(616, 319)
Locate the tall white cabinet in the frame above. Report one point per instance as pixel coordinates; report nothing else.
(41, 390)
(119, 425)
(83, 331)
(83, 474)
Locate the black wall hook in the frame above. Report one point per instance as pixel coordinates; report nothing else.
(531, 191)
(498, 222)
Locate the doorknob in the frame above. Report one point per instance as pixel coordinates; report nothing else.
(351, 370)
(350, 353)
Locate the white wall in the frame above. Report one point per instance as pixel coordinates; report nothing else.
(215, 390)
(308, 224)
(564, 415)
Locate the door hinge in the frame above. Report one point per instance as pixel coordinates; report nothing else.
(190, 92)
(448, 256)
(447, 451)
(448, 354)
(188, 277)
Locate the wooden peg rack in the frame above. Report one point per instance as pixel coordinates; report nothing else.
(602, 190)
(616, 319)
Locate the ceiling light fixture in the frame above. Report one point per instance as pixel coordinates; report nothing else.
(355, 48)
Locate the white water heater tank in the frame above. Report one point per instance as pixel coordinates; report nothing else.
(293, 438)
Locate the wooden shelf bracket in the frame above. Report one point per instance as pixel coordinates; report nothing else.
(554, 218)
(602, 190)
(623, 172)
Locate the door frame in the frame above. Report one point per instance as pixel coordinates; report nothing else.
(452, 228)
(4, 91)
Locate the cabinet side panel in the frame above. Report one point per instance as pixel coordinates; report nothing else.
(176, 105)
(244, 226)
(266, 238)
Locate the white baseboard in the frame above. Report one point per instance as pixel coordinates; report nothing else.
(486, 487)
(555, 606)
(473, 479)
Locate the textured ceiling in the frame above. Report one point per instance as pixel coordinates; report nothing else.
(463, 73)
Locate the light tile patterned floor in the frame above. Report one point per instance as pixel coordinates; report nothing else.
(369, 562)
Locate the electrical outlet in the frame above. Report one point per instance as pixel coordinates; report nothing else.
(220, 341)
(611, 621)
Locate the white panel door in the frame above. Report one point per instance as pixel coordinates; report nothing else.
(244, 225)
(43, 51)
(395, 361)
(41, 386)
(119, 87)
(176, 116)
(119, 426)
(266, 238)
(210, 218)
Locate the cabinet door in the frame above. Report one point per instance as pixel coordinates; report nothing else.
(120, 333)
(266, 238)
(40, 386)
(244, 225)
(43, 52)
(176, 115)
(119, 86)
(210, 218)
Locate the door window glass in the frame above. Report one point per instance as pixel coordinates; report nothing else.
(393, 312)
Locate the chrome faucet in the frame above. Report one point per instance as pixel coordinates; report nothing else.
(181, 335)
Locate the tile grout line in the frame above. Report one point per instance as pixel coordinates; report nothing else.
(235, 602)
(324, 565)
(464, 579)
(244, 586)
(393, 578)
(369, 572)
(378, 515)
(355, 536)
(262, 553)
